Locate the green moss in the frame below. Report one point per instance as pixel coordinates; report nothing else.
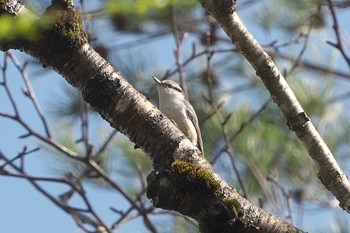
(67, 24)
(233, 203)
(3, 1)
(189, 176)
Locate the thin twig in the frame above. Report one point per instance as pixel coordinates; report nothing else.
(73, 211)
(30, 92)
(223, 121)
(339, 44)
(177, 52)
(7, 90)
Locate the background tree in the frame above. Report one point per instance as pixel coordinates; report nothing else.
(245, 136)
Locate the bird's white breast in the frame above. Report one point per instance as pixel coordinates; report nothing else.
(177, 113)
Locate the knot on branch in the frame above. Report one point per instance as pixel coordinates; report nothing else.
(223, 217)
(185, 188)
(298, 122)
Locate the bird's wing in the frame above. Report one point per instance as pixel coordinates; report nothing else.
(193, 117)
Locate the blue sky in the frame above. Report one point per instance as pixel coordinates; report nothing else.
(24, 209)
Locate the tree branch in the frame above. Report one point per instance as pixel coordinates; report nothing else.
(329, 172)
(183, 180)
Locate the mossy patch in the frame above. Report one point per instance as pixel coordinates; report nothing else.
(189, 176)
(234, 204)
(67, 24)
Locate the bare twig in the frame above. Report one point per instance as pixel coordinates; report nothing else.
(20, 173)
(104, 145)
(177, 52)
(223, 122)
(30, 92)
(339, 43)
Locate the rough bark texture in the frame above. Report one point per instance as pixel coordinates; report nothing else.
(329, 172)
(183, 180)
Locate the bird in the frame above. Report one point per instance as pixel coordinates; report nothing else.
(173, 104)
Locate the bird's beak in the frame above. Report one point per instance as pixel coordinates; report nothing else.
(157, 80)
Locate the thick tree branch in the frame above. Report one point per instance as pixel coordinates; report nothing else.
(330, 174)
(183, 180)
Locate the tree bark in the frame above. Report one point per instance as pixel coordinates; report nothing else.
(329, 172)
(182, 180)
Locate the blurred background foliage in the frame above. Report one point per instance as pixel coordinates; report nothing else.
(138, 38)
(265, 147)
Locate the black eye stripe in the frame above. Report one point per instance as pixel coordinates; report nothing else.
(169, 85)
